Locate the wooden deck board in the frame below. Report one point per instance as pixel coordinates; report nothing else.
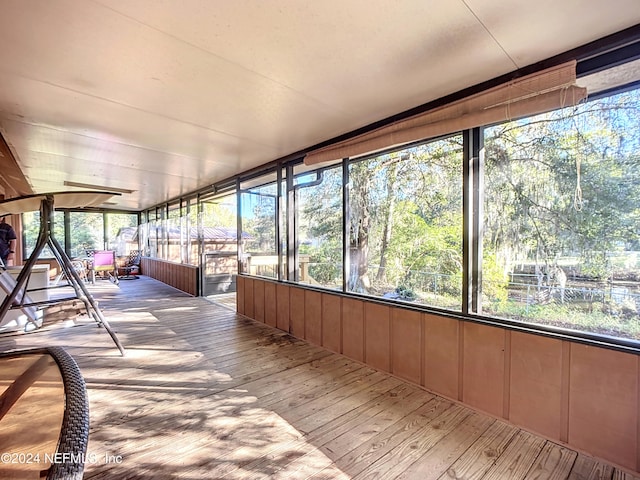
(517, 458)
(619, 475)
(340, 433)
(206, 393)
(404, 455)
(369, 452)
(482, 455)
(587, 468)
(434, 462)
(554, 462)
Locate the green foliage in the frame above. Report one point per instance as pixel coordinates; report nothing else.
(86, 232)
(259, 219)
(564, 182)
(405, 293)
(419, 246)
(320, 227)
(567, 316)
(326, 263)
(220, 213)
(494, 281)
(595, 266)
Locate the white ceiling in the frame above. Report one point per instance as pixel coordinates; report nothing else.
(164, 97)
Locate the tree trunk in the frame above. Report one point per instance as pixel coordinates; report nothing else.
(388, 220)
(360, 220)
(359, 279)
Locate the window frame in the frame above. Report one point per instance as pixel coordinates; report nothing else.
(591, 59)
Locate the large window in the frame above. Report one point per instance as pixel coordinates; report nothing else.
(31, 229)
(86, 232)
(190, 227)
(258, 203)
(122, 232)
(552, 211)
(175, 235)
(405, 224)
(562, 218)
(153, 233)
(219, 243)
(318, 202)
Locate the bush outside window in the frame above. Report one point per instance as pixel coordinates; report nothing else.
(562, 218)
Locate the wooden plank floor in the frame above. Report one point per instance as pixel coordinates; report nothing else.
(205, 393)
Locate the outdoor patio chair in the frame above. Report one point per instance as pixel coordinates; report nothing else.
(131, 268)
(80, 268)
(104, 262)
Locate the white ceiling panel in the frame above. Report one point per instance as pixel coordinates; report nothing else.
(166, 97)
(406, 45)
(532, 31)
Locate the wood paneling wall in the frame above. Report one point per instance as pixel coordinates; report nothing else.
(178, 275)
(584, 396)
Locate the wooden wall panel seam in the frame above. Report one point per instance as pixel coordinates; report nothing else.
(565, 391)
(390, 345)
(364, 331)
(506, 402)
(305, 324)
(341, 326)
(331, 322)
(258, 295)
(240, 295)
(321, 319)
(249, 295)
(423, 353)
(638, 418)
(460, 361)
(282, 308)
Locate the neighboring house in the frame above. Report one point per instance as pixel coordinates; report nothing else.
(125, 241)
(215, 239)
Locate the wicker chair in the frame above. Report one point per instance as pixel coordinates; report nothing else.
(74, 431)
(131, 267)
